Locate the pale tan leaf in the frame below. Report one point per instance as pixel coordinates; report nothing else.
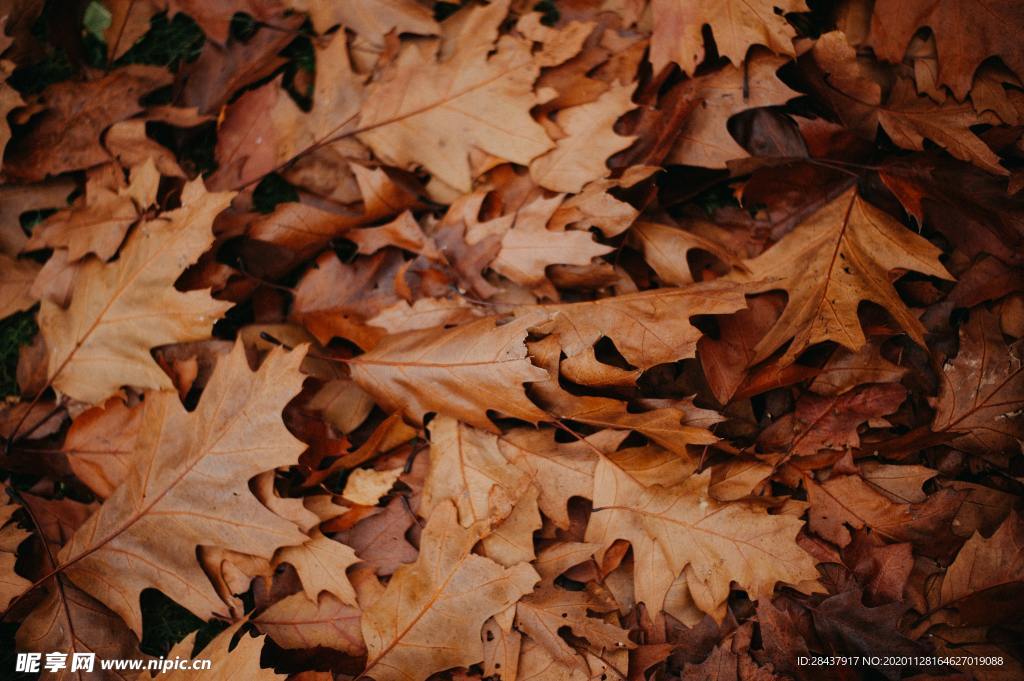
(431, 614)
(192, 470)
(120, 311)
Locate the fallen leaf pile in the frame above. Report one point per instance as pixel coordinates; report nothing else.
(621, 339)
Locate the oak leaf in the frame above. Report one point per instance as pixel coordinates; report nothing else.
(16, 279)
(704, 139)
(321, 563)
(431, 614)
(848, 500)
(434, 104)
(982, 390)
(100, 443)
(963, 37)
(985, 571)
(99, 226)
(461, 372)
(648, 328)
(718, 543)
(372, 21)
(544, 612)
(841, 266)
(380, 540)
(590, 138)
(528, 247)
(297, 622)
(241, 662)
(187, 465)
(856, 94)
(12, 584)
(66, 136)
(736, 25)
(469, 469)
(264, 128)
(119, 311)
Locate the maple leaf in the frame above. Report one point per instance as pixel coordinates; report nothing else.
(120, 311)
(982, 392)
(186, 464)
(718, 543)
(434, 104)
(841, 266)
(430, 616)
(735, 24)
(964, 38)
(456, 371)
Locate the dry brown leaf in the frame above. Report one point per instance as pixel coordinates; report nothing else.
(648, 328)
(120, 311)
(982, 568)
(456, 372)
(372, 20)
(241, 662)
(186, 464)
(704, 139)
(12, 584)
(431, 614)
(982, 392)
(529, 247)
(297, 622)
(735, 24)
(100, 225)
(841, 265)
(580, 157)
(264, 128)
(16, 278)
(908, 118)
(66, 136)
(100, 443)
(469, 469)
(436, 103)
(963, 38)
(717, 543)
(321, 563)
